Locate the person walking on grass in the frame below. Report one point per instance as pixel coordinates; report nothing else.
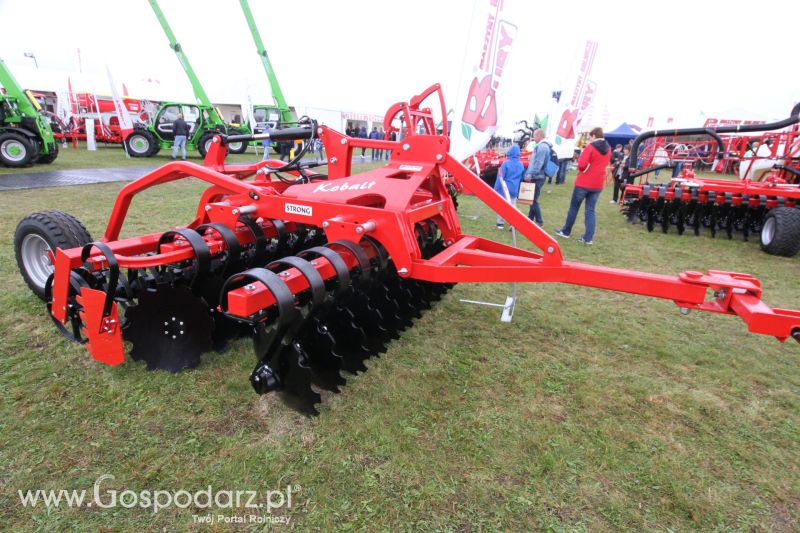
(535, 173)
(181, 131)
(510, 174)
(588, 184)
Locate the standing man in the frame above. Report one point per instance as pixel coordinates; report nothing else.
(563, 165)
(588, 184)
(265, 142)
(621, 174)
(374, 135)
(362, 134)
(535, 173)
(616, 160)
(181, 130)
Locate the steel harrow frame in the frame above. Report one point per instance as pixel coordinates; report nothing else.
(323, 271)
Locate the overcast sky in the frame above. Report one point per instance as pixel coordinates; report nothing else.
(661, 59)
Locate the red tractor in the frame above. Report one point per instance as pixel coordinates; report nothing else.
(321, 270)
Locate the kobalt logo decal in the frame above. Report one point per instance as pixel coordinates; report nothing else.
(333, 187)
(295, 209)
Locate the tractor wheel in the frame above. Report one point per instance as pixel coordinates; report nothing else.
(46, 159)
(15, 150)
(141, 143)
(780, 233)
(237, 148)
(204, 145)
(39, 233)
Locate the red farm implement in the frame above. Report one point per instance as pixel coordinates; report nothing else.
(106, 123)
(322, 270)
(765, 201)
(486, 163)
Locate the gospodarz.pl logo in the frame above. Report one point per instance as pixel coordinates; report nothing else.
(243, 506)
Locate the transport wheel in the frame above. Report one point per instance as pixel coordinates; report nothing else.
(40, 233)
(46, 159)
(15, 150)
(141, 143)
(780, 233)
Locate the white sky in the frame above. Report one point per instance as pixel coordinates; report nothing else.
(664, 59)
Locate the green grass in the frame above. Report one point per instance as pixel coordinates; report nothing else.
(110, 156)
(591, 411)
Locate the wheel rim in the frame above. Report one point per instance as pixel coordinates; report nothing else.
(13, 150)
(768, 231)
(235, 147)
(139, 144)
(35, 259)
(208, 145)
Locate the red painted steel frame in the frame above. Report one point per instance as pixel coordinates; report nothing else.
(385, 203)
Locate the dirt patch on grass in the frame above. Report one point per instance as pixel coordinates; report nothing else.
(277, 422)
(784, 517)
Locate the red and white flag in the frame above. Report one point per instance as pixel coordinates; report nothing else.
(479, 106)
(72, 103)
(125, 122)
(568, 127)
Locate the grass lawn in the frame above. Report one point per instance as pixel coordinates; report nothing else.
(111, 156)
(591, 411)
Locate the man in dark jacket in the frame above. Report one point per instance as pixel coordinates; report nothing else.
(181, 131)
(362, 134)
(588, 184)
(374, 135)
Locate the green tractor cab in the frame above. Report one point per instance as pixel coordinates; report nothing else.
(25, 134)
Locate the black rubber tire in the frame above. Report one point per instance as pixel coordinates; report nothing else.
(46, 159)
(240, 147)
(10, 140)
(780, 232)
(141, 143)
(205, 138)
(57, 229)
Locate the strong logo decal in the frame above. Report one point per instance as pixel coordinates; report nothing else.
(295, 209)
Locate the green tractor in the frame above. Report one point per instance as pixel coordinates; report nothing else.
(203, 122)
(25, 134)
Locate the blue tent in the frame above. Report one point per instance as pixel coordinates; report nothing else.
(621, 135)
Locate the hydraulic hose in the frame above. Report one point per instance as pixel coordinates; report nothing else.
(794, 118)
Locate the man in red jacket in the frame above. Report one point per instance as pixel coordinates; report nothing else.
(588, 184)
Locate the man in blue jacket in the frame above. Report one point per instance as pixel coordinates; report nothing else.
(374, 135)
(535, 173)
(510, 173)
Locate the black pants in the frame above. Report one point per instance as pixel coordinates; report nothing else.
(618, 186)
